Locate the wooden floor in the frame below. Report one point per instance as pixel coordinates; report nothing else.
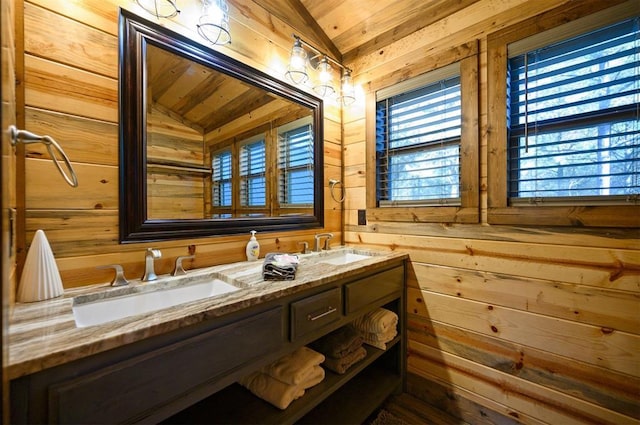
(413, 411)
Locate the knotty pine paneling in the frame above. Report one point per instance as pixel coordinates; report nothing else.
(70, 84)
(537, 323)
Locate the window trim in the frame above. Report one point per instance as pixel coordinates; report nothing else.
(498, 209)
(469, 209)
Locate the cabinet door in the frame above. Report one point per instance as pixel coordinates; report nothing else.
(129, 391)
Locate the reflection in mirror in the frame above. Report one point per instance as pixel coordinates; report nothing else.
(210, 146)
(216, 144)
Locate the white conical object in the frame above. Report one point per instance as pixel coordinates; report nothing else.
(40, 278)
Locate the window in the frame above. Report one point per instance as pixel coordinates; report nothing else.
(574, 129)
(221, 189)
(295, 163)
(418, 145)
(252, 173)
(563, 137)
(422, 138)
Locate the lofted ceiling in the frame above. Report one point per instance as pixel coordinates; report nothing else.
(349, 28)
(345, 29)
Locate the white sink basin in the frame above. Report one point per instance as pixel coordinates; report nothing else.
(108, 309)
(343, 257)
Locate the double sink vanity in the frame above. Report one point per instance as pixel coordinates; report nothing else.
(173, 349)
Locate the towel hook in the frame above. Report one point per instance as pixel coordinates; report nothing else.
(27, 137)
(332, 185)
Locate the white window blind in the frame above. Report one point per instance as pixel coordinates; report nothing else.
(252, 174)
(295, 164)
(573, 119)
(221, 180)
(418, 144)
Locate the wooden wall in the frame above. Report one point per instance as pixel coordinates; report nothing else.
(68, 80)
(506, 324)
(7, 188)
(538, 324)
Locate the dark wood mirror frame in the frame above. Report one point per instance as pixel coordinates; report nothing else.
(134, 34)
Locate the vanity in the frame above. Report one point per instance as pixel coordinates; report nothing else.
(181, 364)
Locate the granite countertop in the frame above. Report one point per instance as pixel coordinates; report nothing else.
(44, 334)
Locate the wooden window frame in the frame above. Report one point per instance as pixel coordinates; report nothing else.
(469, 209)
(498, 209)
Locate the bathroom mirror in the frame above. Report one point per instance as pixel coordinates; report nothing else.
(208, 145)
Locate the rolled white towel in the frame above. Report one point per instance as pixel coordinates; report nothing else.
(379, 321)
(379, 340)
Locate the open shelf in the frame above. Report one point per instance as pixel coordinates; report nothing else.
(352, 396)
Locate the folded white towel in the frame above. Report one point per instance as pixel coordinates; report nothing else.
(295, 367)
(277, 392)
(380, 320)
(315, 377)
(272, 390)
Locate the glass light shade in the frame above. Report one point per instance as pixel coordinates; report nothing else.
(214, 22)
(297, 70)
(324, 88)
(159, 8)
(348, 91)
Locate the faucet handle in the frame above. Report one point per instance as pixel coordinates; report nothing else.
(305, 246)
(119, 279)
(326, 241)
(178, 269)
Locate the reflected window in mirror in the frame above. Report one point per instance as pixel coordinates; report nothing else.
(269, 182)
(221, 184)
(295, 144)
(253, 179)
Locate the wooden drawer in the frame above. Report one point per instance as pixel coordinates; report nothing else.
(361, 293)
(127, 391)
(314, 312)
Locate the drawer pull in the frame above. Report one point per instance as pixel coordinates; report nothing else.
(329, 311)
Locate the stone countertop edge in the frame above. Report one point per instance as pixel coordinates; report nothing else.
(44, 334)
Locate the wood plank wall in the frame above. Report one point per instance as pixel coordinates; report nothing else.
(70, 86)
(538, 324)
(7, 187)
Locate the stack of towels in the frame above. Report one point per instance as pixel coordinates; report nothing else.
(342, 349)
(286, 379)
(377, 327)
(278, 266)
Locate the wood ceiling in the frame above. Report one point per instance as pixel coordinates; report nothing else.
(344, 28)
(349, 28)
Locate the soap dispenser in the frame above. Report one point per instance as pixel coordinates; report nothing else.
(253, 247)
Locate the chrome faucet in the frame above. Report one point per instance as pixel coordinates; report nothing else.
(317, 238)
(149, 257)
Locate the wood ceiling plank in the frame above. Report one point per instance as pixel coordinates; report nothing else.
(295, 14)
(393, 23)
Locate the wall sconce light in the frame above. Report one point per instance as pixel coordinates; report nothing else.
(323, 64)
(297, 70)
(324, 86)
(159, 8)
(213, 25)
(348, 90)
